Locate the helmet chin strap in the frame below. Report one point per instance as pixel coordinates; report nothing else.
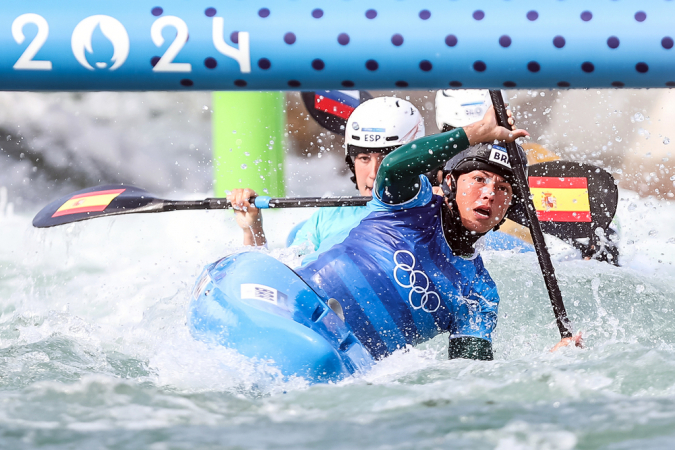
(449, 192)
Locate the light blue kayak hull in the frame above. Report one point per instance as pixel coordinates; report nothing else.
(258, 306)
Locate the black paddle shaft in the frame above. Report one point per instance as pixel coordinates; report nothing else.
(267, 203)
(523, 192)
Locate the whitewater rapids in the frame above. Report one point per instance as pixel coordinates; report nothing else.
(95, 351)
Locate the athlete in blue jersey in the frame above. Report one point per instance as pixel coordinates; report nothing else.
(365, 148)
(409, 271)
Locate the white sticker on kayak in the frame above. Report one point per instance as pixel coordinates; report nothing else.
(201, 285)
(499, 155)
(259, 292)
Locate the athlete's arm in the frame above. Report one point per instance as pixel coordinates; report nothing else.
(398, 177)
(470, 348)
(474, 317)
(249, 218)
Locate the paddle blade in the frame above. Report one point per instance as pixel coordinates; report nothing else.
(97, 201)
(331, 109)
(572, 199)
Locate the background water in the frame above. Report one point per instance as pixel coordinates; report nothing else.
(95, 352)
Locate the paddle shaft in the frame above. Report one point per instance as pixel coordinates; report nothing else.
(263, 202)
(522, 191)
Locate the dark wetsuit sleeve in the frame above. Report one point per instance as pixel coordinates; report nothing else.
(470, 348)
(398, 177)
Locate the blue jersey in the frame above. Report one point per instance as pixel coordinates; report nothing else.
(327, 227)
(398, 281)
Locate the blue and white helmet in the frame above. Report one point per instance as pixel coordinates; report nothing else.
(382, 124)
(491, 158)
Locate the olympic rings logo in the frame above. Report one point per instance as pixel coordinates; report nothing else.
(429, 301)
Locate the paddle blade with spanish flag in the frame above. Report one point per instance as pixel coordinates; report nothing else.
(572, 199)
(561, 199)
(95, 202)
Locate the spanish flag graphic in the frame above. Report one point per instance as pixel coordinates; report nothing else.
(89, 202)
(561, 199)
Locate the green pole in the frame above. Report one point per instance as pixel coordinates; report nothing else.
(248, 131)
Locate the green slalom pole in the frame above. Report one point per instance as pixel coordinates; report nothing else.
(248, 131)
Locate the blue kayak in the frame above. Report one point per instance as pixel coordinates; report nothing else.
(258, 306)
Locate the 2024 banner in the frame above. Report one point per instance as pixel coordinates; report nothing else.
(309, 45)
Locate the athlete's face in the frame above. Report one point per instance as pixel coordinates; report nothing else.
(483, 199)
(365, 168)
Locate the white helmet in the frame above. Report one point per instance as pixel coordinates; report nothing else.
(381, 125)
(460, 107)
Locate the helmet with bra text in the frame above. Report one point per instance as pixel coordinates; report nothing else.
(488, 157)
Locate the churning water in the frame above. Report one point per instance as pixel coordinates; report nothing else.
(95, 351)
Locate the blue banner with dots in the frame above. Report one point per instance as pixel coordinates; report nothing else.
(336, 44)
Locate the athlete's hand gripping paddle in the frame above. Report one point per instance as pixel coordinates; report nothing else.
(522, 191)
(110, 200)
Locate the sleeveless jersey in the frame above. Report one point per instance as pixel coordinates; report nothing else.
(398, 281)
(327, 227)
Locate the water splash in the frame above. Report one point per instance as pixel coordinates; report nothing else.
(94, 324)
